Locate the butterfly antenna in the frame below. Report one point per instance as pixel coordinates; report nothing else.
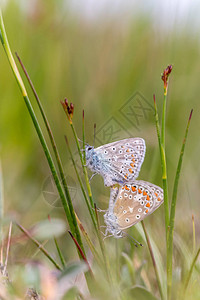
(94, 132)
(136, 243)
(79, 140)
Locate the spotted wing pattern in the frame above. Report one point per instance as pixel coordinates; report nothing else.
(136, 201)
(121, 160)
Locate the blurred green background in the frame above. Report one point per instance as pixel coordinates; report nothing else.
(99, 56)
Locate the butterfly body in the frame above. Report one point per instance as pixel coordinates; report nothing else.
(130, 204)
(117, 162)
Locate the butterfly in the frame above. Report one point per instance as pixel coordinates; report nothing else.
(117, 162)
(130, 204)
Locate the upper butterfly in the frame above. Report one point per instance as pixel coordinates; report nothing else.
(117, 162)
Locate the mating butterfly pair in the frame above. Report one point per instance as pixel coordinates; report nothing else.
(131, 200)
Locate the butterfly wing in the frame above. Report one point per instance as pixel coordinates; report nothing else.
(136, 201)
(123, 160)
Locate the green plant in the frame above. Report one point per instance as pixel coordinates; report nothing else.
(111, 274)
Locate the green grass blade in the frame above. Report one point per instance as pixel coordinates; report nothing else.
(84, 167)
(158, 257)
(153, 260)
(102, 245)
(6, 46)
(59, 253)
(89, 242)
(191, 270)
(69, 112)
(173, 210)
(164, 169)
(42, 249)
(81, 185)
(57, 156)
(1, 213)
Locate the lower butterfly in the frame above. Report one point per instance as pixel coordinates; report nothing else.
(130, 204)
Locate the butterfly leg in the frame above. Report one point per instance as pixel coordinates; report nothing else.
(113, 196)
(92, 176)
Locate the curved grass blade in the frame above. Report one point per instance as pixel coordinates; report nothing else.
(153, 260)
(173, 210)
(164, 169)
(9, 55)
(42, 249)
(56, 153)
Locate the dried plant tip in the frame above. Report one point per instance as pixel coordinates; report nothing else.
(69, 109)
(154, 98)
(165, 76)
(190, 115)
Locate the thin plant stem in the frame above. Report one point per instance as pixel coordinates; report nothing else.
(1, 214)
(59, 253)
(81, 252)
(8, 52)
(193, 233)
(84, 167)
(153, 260)
(42, 249)
(57, 156)
(6, 47)
(191, 270)
(105, 258)
(163, 120)
(89, 242)
(173, 211)
(81, 185)
(8, 248)
(117, 260)
(164, 170)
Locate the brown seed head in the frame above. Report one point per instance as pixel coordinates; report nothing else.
(165, 75)
(69, 109)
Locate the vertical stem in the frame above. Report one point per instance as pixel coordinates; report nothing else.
(173, 211)
(190, 271)
(193, 232)
(163, 119)
(60, 253)
(164, 170)
(153, 261)
(42, 249)
(1, 214)
(57, 156)
(84, 167)
(107, 265)
(8, 248)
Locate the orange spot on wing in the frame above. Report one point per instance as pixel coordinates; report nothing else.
(127, 150)
(133, 189)
(130, 170)
(148, 198)
(132, 155)
(139, 191)
(159, 199)
(126, 188)
(132, 165)
(148, 204)
(144, 193)
(125, 177)
(146, 211)
(156, 194)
